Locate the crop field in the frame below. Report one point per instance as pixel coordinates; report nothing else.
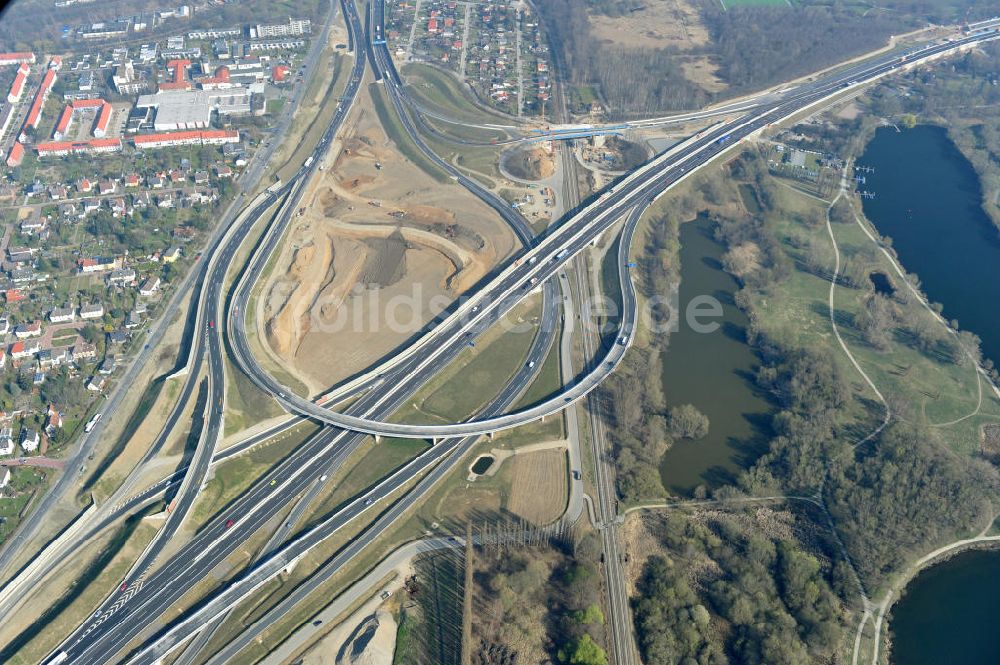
(538, 492)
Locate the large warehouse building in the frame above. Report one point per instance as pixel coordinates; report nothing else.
(192, 109)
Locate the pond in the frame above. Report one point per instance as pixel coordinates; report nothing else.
(883, 285)
(714, 372)
(929, 201)
(482, 465)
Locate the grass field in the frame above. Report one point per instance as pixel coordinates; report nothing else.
(377, 461)
(546, 382)
(940, 393)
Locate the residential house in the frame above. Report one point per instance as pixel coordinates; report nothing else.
(27, 349)
(6, 441)
(97, 383)
(53, 421)
(99, 264)
(62, 315)
(183, 233)
(5, 473)
(133, 320)
(172, 254)
(91, 310)
(83, 352)
(27, 330)
(150, 286)
(107, 187)
(122, 277)
(117, 205)
(20, 255)
(29, 439)
(33, 225)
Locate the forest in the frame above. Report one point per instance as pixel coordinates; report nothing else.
(753, 47)
(540, 604)
(737, 587)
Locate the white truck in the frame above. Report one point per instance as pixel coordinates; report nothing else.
(92, 423)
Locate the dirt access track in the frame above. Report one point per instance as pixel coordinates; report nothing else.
(376, 250)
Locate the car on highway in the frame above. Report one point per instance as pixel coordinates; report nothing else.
(274, 481)
(369, 501)
(317, 622)
(123, 586)
(229, 522)
(531, 363)
(211, 324)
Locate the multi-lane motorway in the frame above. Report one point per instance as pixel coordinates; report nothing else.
(147, 599)
(540, 262)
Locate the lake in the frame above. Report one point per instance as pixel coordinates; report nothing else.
(949, 613)
(928, 200)
(714, 372)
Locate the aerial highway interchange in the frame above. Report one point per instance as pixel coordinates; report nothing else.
(125, 627)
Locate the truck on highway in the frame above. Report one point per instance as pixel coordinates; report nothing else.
(92, 423)
(309, 161)
(562, 255)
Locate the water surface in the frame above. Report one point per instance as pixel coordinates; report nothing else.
(714, 372)
(948, 614)
(928, 200)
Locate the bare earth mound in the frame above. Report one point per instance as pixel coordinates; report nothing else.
(529, 164)
(379, 250)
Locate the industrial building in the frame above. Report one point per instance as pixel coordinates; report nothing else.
(192, 109)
